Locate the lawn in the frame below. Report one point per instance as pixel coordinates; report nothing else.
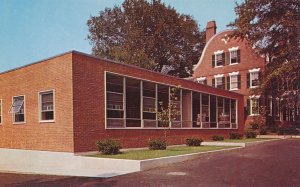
(247, 140)
(171, 151)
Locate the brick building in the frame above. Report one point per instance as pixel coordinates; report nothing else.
(232, 64)
(68, 102)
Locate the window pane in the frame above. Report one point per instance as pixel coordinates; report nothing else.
(114, 83)
(162, 99)
(114, 101)
(254, 79)
(196, 110)
(234, 82)
(233, 56)
(233, 112)
(47, 107)
(133, 103)
(219, 60)
(213, 111)
(18, 109)
(205, 111)
(148, 89)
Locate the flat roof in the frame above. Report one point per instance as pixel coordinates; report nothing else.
(107, 60)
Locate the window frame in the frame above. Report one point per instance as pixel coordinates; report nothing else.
(40, 93)
(233, 49)
(13, 114)
(251, 105)
(219, 52)
(251, 72)
(234, 74)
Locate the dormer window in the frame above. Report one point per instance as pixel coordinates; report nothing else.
(253, 78)
(202, 80)
(234, 53)
(218, 59)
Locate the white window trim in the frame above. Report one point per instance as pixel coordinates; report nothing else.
(13, 114)
(235, 73)
(1, 108)
(253, 97)
(253, 71)
(219, 76)
(218, 53)
(231, 50)
(40, 107)
(200, 79)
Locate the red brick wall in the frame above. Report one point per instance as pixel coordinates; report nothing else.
(54, 74)
(248, 60)
(89, 109)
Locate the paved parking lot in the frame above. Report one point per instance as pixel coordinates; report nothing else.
(269, 164)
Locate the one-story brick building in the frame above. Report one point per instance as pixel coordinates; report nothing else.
(68, 102)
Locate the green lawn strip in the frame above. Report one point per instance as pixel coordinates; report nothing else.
(171, 151)
(247, 140)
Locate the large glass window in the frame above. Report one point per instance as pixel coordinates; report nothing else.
(115, 101)
(196, 110)
(205, 110)
(233, 114)
(18, 109)
(133, 102)
(162, 100)
(186, 109)
(149, 104)
(213, 111)
(175, 99)
(46, 100)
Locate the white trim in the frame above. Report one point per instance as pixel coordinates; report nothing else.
(254, 70)
(40, 93)
(234, 73)
(206, 46)
(219, 52)
(13, 114)
(233, 49)
(254, 96)
(200, 79)
(219, 76)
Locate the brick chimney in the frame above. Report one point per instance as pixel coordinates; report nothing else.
(211, 29)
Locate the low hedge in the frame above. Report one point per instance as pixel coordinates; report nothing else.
(109, 146)
(193, 141)
(217, 138)
(157, 144)
(235, 135)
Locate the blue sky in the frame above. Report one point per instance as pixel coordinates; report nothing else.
(32, 30)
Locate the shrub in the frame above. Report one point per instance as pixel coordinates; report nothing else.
(109, 146)
(288, 131)
(217, 138)
(157, 144)
(193, 141)
(235, 135)
(250, 133)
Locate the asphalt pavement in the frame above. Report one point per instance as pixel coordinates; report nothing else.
(269, 164)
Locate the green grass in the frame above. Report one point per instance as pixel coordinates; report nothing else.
(247, 140)
(171, 151)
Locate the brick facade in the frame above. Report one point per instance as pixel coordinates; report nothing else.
(248, 60)
(78, 80)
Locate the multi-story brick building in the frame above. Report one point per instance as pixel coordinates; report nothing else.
(68, 102)
(232, 64)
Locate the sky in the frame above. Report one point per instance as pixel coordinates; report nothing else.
(32, 30)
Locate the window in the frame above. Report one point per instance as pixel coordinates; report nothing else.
(218, 59)
(219, 81)
(253, 107)
(46, 100)
(202, 80)
(234, 81)
(233, 113)
(253, 78)
(0, 111)
(234, 53)
(18, 109)
(114, 101)
(205, 110)
(149, 104)
(133, 102)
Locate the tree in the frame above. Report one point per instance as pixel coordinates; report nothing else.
(170, 113)
(273, 28)
(147, 34)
